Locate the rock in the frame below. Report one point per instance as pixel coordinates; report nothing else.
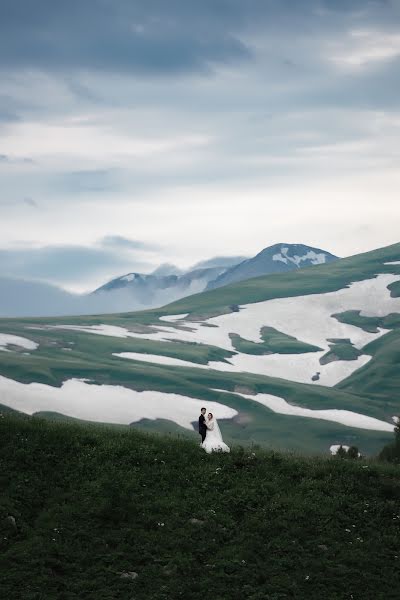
(196, 521)
(128, 575)
(323, 547)
(10, 520)
(316, 376)
(244, 389)
(242, 419)
(169, 569)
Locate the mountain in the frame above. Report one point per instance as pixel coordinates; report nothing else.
(278, 258)
(20, 298)
(133, 291)
(303, 360)
(138, 290)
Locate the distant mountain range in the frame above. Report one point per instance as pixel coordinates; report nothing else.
(278, 258)
(167, 283)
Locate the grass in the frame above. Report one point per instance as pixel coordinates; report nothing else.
(273, 342)
(340, 349)
(92, 503)
(380, 378)
(371, 390)
(369, 324)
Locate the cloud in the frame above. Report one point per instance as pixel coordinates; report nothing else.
(199, 128)
(362, 48)
(151, 37)
(30, 202)
(117, 241)
(74, 267)
(92, 181)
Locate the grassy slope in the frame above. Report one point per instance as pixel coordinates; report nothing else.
(91, 503)
(311, 280)
(372, 390)
(92, 359)
(273, 342)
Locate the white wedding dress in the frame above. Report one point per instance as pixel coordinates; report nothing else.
(214, 441)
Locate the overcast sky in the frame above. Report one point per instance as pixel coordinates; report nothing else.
(137, 132)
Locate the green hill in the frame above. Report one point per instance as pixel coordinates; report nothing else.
(371, 390)
(103, 514)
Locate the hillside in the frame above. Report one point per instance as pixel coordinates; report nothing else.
(300, 360)
(89, 512)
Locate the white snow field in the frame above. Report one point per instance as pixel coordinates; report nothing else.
(106, 403)
(15, 340)
(314, 257)
(108, 330)
(160, 360)
(308, 318)
(344, 417)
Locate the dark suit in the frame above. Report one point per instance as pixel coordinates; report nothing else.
(202, 427)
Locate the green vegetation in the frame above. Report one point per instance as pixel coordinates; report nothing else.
(394, 289)
(380, 377)
(273, 342)
(391, 452)
(88, 512)
(313, 280)
(341, 349)
(369, 324)
(371, 390)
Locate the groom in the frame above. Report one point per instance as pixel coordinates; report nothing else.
(202, 425)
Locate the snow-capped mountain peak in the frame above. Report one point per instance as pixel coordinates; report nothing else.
(274, 259)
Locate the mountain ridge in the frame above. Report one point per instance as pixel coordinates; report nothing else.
(277, 258)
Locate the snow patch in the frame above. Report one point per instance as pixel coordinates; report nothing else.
(344, 417)
(130, 277)
(158, 359)
(307, 318)
(106, 403)
(15, 340)
(394, 262)
(316, 258)
(112, 330)
(173, 318)
(279, 257)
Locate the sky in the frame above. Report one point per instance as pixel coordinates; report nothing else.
(139, 132)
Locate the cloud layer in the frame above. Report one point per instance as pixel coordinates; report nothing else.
(198, 128)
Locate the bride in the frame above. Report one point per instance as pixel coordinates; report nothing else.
(213, 441)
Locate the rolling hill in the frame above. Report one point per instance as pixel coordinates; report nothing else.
(300, 360)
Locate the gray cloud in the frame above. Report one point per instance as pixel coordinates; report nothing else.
(64, 264)
(30, 202)
(111, 99)
(93, 181)
(140, 37)
(118, 241)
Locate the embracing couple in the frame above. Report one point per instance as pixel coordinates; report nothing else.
(211, 438)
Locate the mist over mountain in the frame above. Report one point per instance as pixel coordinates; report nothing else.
(139, 291)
